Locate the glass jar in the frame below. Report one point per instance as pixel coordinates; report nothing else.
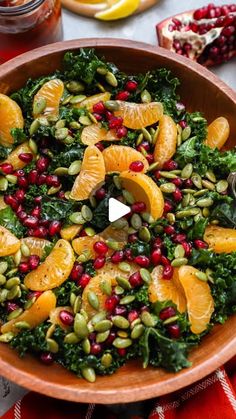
(25, 25)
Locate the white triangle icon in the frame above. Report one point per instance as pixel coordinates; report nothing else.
(116, 210)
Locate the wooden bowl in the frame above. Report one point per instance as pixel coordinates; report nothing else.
(200, 90)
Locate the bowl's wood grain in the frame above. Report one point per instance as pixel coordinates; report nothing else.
(200, 90)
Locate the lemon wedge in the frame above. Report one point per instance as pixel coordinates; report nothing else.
(122, 8)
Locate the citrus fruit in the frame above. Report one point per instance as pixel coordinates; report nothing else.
(163, 290)
(92, 174)
(90, 101)
(144, 189)
(166, 141)
(139, 115)
(52, 92)
(118, 158)
(55, 319)
(111, 233)
(36, 245)
(122, 8)
(94, 133)
(9, 243)
(220, 239)
(54, 270)
(85, 245)
(218, 133)
(69, 233)
(2, 203)
(35, 315)
(10, 117)
(200, 304)
(13, 156)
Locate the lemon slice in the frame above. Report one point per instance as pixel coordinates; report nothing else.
(122, 8)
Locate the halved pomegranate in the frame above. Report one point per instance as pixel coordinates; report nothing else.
(206, 35)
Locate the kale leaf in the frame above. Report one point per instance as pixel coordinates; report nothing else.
(67, 156)
(9, 220)
(4, 151)
(18, 135)
(55, 209)
(31, 340)
(225, 213)
(100, 215)
(198, 229)
(64, 291)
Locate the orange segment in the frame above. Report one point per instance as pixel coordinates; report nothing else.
(218, 133)
(200, 304)
(85, 245)
(35, 315)
(92, 100)
(94, 133)
(54, 270)
(92, 174)
(13, 156)
(139, 115)
(52, 92)
(36, 246)
(220, 239)
(10, 117)
(69, 233)
(9, 243)
(167, 140)
(162, 290)
(54, 316)
(118, 158)
(144, 189)
(111, 233)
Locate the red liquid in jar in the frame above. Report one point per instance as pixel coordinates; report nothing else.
(39, 27)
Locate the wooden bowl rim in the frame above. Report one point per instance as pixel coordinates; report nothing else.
(130, 392)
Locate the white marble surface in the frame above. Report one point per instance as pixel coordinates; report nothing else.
(139, 28)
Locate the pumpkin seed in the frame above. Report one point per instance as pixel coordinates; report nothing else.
(3, 184)
(93, 300)
(100, 87)
(71, 338)
(52, 345)
(61, 171)
(103, 325)
(75, 125)
(222, 186)
(146, 135)
(22, 325)
(137, 331)
(209, 273)
(124, 266)
(61, 133)
(84, 257)
(144, 234)
(211, 176)
(50, 331)
(12, 282)
(77, 99)
(127, 299)
(53, 190)
(2, 279)
(89, 374)
(170, 320)
(74, 168)
(179, 251)
(86, 346)
(105, 287)
(187, 171)
(106, 360)
(102, 71)
(186, 132)
(12, 179)
(205, 202)
(72, 298)
(12, 272)
(200, 193)
(168, 187)
(188, 190)
(86, 213)
(123, 282)
(112, 244)
(145, 275)
(111, 79)
(102, 336)
(179, 262)
(14, 314)
(145, 96)
(205, 212)
(152, 167)
(155, 136)
(122, 343)
(68, 140)
(202, 276)
(179, 140)
(93, 201)
(168, 175)
(185, 200)
(77, 218)
(147, 217)
(187, 213)
(6, 337)
(215, 222)
(119, 290)
(25, 250)
(34, 127)
(3, 267)
(85, 120)
(60, 124)
(148, 319)
(121, 322)
(77, 304)
(90, 327)
(75, 86)
(120, 224)
(122, 334)
(128, 197)
(3, 295)
(139, 139)
(209, 185)
(39, 105)
(14, 292)
(135, 322)
(80, 326)
(112, 105)
(170, 217)
(197, 180)
(98, 317)
(117, 182)
(17, 257)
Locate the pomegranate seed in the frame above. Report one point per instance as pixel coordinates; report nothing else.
(99, 146)
(131, 85)
(54, 228)
(135, 279)
(115, 122)
(110, 338)
(26, 157)
(111, 302)
(167, 272)
(156, 256)
(121, 132)
(149, 158)
(6, 168)
(53, 180)
(22, 182)
(33, 261)
(168, 206)
(22, 215)
(32, 176)
(177, 182)
(128, 255)
(76, 271)
(166, 313)
(170, 165)
(20, 195)
(188, 183)
(120, 311)
(138, 207)
(44, 223)
(34, 294)
(132, 238)
(36, 212)
(122, 351)
(124, 95)
(84, 280)
(42, 179)
(19, 173)
(11, 307)
(61, 195)
(46, 358)
(200, 13)
(109, 115)
(42, 164)
(177, 195)
(100, 247)
(179, 238)
(174, 331)
(117, 256)
(100, 194)
(224, 10)
(10, 200)
(41, 232)
(157, 243)
(66, 317)
(183, 124)
(188, 248)
(31, 222)
(165, 261)
(98, 116)
(23, 267)
(95, 349)
(19, 209)
(99, 262)
(99, 107)
(170, 230)
(200, 244)
(228, 31)
(133, 315)
(144, 145)
(136, 166)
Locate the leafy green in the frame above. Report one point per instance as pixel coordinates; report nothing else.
(9, 220)
(198, 229)
(64, 291)
(31, 340)
(34, 191)
(55, 209)
(100, 215)
(169, 246)
(225, 213)
(4, 152)
(139, 248)
(67, 156)
(18, 135)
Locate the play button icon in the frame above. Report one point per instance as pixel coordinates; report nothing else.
(116, 210)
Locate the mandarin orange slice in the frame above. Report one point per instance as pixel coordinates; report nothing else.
(54, 270)
(162, 290)
(166, 141)
(10, 117)
(85, 245)
(13, 156)
(118, 158)
(144, 189)
(55, 319)
(200, 303)
(218, 133)
(70, 232)
(111, 233)
(52, 92)
(9, 243)
(220, 239)
(92, 174)
(35, 315)
(36, 245)
(92, 100)
(94, 133)
(139, 115)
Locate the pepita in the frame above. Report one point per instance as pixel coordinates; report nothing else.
(52, 346)
(139, 139)
(112, 105)
(80, 326)
(93, 300)
(77, 218)
(111, 79)
(61, 133)
(179, 251)
(6, 337)
(3, 184)
(106, 360)
(86, 213)
(77, 304)
(148, 319)
(14, 292)
(128, 197)
(3, 295)
(202, 276)
(200, 193)
(168, 187)
(17, 257)
(137, 331)
(144, 234)
(145, 96)
(222, 186)
(205, 202)
(71, 338)
(145, 275)
(74, 168)
(208, 185)
(146, 135)
(187, 171)
(124, 266)
(61, 171)
(75, 86)
(170, 320)
(121, 322)
(123, 282)
(86, 346)
(122, 343)
(89, 374)
(85, 120)
(12, 282)
(75, 125)
(25, 250)
(170, 217)
(127, 299)
(33, 146)
(179, 262)
(12, 179)
(39, 105)
(187, 213)
(102, 71)
(14, 314)
(197, 180)
(3, 267)
(60, 124)
(186, 132)
(53, 190)
(22, 325)
(168, 175)
(105, 287)
(112, 244)
(2, 279)
(119, 290)
(77, 99)
(50, 331)
(103, 326)
(120, 224)
(134, 323)
(34, 127)
(210, 176)
(147, 217)
(117, 182)
(102, 336)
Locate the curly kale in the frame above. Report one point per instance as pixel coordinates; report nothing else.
(64, 291)
(9, 220)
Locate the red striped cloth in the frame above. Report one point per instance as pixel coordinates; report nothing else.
(214, 397)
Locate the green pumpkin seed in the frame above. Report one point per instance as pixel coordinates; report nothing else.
(124, 266)
(106, 360)
(2, 279)
(215, 222)
(12, 272)
(71, 338)
(80, 326)
(50, 331)
(39, 105)
(93, 300)
(185, 200)
(186, 132)
(3, 295)
(89, 374)
(200, 193)
(25, 250)
(86, 346)
(77, 304)
(179, 262)
(122, 343)
(168, 175)
(144, 234)
(205, 212)
(12, 282)
(61, 133)
(123, 282)
(90, 231)
(208, 185)
(187, 171)
(3, 184)
(205, 202)
(112, 105)
(145, 96)
(147, 217)
(197, 180)
(105, 287)
(210, 176)
(172, 319)
(3, 267)
(139, 139)
(75, 86)
(72, 298)
(112, 244)
(170, 217)
(12, 179)
(146, 135)
(137, 331)
(128, 197)
(122, 334)
(179, 251)
(34, 127)
(77, 99)
(222, 186)
(202, 276)
(22, 325)
(121, 322)
(14, 314)
(187, 213)
(74, 168)
(53, 190)
(86, 213)
(52, 346)
(168, 187)
(75, 125)
(103, 326)
(84, 257)
(117, 182)
(77, 218)
(98, 317)
(60, 124)
(148, 319)
(188, 190)
(111, 79)
(68, 140)
(102, 336)
(136, 221)
(93, 201)
(6, 337)
(152, 167)
(17, 257)
(85, 120)
(135, 322)
(120, 224)
(127, 299)
(209, 273)
(61, 171)
(119, 290)
(102, 71)
(145, 275)
(33, 146)
(14, 292)
(100, 87)
(155, 136)
(43, 121)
